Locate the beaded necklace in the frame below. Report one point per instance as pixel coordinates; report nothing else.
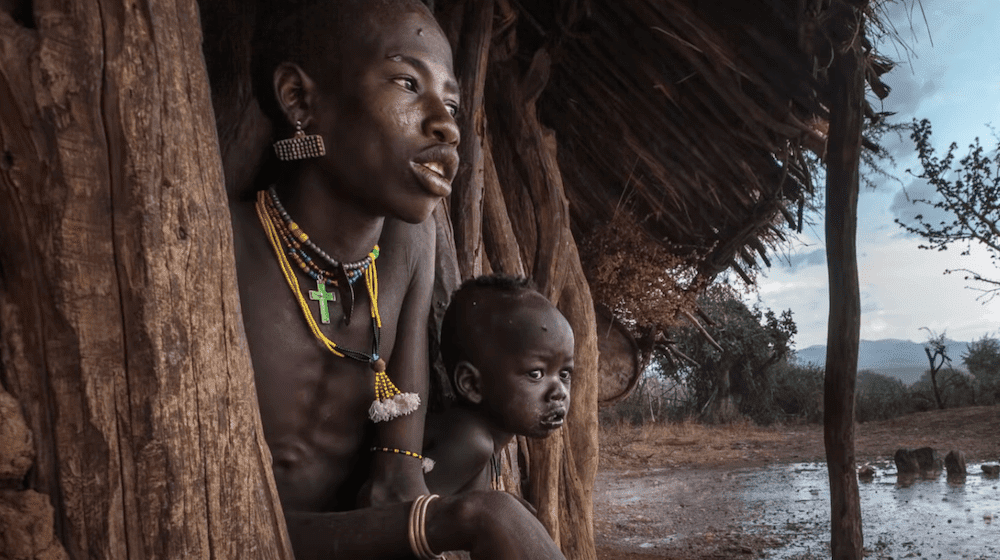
(343, 275)
(389, 401)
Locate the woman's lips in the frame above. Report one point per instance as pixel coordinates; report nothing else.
(431, 178)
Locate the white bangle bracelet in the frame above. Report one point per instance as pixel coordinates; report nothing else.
(417, 528)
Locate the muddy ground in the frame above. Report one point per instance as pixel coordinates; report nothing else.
(683, 471)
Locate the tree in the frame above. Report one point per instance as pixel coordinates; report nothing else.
(120, 328)
(734, 369)
(982, 359)
(969, 194)
(955, 387)
(937, 355)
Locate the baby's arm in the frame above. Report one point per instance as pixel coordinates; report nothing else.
(461, 449)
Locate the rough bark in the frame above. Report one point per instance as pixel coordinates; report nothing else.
(562, 467)
(510, 214)
(846, 80)
(471, 59)
(120, 321)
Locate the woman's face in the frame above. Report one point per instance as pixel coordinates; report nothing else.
(389, 121)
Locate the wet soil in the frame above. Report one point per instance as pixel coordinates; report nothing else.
(743, 492)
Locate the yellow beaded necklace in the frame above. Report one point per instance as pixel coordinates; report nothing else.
(389, 401)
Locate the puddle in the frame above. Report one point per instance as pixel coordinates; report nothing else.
(790, 506)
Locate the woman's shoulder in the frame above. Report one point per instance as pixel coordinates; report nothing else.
(412, 245)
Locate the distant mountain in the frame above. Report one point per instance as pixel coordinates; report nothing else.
(902, 359)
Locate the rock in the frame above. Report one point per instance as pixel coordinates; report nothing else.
(928, 459)
(866, 473)
(992, 471)
(906, 462)
(954, 461)
(17, 453)
(26, 517)
(924, 462)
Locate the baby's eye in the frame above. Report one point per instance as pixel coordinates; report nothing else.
(566, 374)
(536, 374)
(406, 82)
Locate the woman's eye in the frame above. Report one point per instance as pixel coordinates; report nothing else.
(453, 110)
(536, 374)
(406, 83)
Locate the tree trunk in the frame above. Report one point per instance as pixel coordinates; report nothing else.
(122, 336)
(511, 215)
(846, 81)
(933, 373)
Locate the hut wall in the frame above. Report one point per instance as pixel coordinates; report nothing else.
(120, 328)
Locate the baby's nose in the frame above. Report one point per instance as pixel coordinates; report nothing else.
(558, 391)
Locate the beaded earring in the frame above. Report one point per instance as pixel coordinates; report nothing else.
(300, 146)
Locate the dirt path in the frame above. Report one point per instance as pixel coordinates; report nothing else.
(668, 483)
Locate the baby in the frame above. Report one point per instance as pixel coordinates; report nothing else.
(509, 355)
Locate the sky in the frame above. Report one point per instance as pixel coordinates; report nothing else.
(949, 73)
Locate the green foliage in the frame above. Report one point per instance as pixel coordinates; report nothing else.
(955, 389)
(798, 391)
(655, 399)
(970, 194)
(753, 341)
(880, 397)
(982, 359)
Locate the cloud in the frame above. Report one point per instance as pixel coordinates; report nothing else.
(801, 260)
(907, 18)
(908, 90)
(898, 144)
(905, 209)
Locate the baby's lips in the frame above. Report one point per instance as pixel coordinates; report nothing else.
(555, 416)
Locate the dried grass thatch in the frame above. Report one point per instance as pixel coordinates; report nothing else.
(694, 118)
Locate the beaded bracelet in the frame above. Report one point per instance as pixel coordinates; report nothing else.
(417, 528)
(426, 463)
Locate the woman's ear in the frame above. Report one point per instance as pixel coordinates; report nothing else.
(468, 382)
(295, 92)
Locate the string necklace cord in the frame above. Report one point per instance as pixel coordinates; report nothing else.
(296, 240)
(293, 283)
(389, 401)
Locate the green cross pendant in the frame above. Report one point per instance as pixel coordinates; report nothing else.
(322, 296)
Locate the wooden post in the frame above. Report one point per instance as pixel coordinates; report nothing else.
(846, 83)
(121, 329)
(471, 59)
(563, 466)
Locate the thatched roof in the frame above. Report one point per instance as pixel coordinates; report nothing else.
(693, 116)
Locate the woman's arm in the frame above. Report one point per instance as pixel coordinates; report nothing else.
(397, 477)
(490, 525)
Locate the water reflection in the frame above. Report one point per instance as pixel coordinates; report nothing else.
(929, 516)
(789, 507)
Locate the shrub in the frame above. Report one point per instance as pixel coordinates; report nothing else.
(798, 391)
(957, 389)
(880, 397)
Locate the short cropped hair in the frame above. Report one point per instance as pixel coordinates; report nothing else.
(455, 343)
(308, 33)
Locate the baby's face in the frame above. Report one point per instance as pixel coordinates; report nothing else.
(527, 369)
(390, 127)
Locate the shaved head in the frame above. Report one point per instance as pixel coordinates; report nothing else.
(478, 309)
(316, 35)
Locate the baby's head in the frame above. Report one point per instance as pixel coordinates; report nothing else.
(374, 79)
(509, 352)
